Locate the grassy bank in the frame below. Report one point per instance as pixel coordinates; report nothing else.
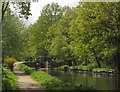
(50, 82)
(9, 80)
(89, 67)
(103, 70)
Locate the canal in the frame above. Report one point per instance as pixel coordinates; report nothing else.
(98, 82)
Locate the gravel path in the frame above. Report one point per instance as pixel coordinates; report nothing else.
(25, 82)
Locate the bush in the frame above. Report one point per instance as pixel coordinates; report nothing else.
(9, 80)
(27, 70)
(9, 61)
(103, 69)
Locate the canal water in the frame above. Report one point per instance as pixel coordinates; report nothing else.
(98, 82)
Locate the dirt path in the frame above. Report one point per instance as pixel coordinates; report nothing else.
(25, 82)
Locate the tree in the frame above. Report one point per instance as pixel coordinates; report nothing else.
(96, 23)
(58, 37)
(11, 40)
(23, 9)
(86, 34)
(37, 39)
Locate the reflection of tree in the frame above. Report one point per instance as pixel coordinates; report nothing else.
(73, 77)
(96, 83)
(90, 81)
(117, 83)
(104, 83)
(86, 83)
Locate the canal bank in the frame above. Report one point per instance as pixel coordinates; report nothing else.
(90, 80)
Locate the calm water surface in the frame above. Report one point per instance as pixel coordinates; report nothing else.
(99, 82)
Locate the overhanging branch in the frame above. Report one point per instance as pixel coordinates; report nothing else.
(4, 8)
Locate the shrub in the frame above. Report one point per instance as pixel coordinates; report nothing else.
(9, 60)
(9, 80)
(27, 70)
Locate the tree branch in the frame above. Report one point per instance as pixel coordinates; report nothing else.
(4, 9)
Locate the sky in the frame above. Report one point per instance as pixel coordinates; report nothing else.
(36, 8)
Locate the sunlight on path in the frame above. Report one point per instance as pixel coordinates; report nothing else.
(25, 82)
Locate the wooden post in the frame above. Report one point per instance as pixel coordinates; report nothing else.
(46, 65)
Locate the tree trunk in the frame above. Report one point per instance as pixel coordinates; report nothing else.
(1, 32)
(97, 59)
(3, 8)
(86, 61)
(74, 62)
(117, 63)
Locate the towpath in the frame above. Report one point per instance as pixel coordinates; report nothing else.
(25, 83)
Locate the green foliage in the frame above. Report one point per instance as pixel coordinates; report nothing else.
(37, 39)
(50, 82)
(9, 80)
(59, 38)
(91, 30)
(25, 69)
(12, 39)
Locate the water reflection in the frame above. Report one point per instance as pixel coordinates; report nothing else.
(99, 82)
